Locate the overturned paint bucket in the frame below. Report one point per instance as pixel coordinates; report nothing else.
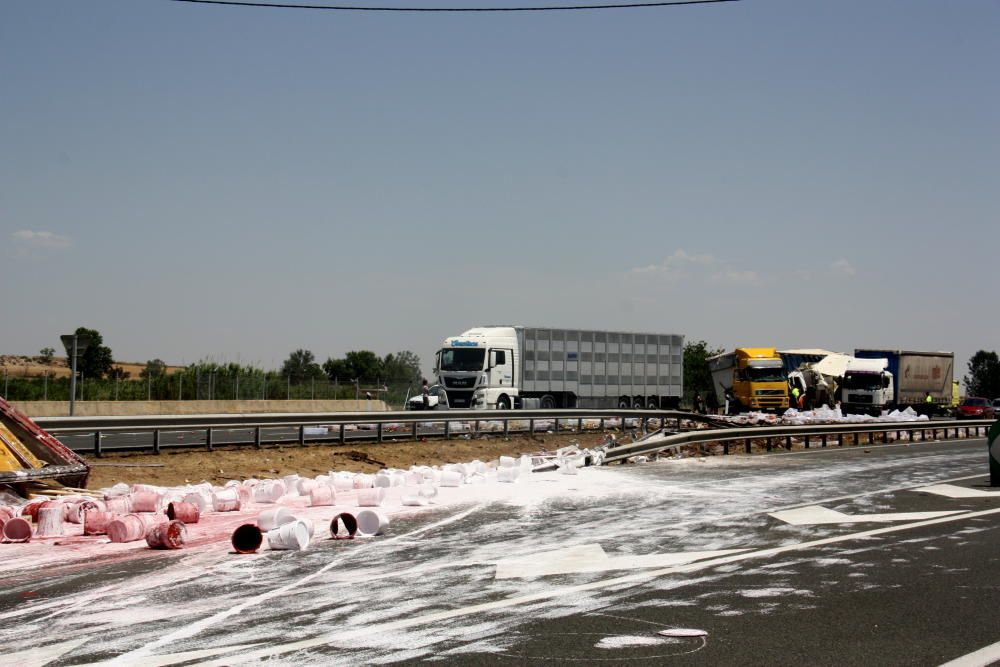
(16, 529)
(268, 491)
(186, 512)
(130, 528)
(169, 535)
(202, 500)
(292, 536)
(321, 496)
(95, 522)
(226, 500)
(452, 478)
(272, 518)
(508, 475)
(372, 497)
(75, 511)
(146, 501)
(247, 539)
(371, 523)
(348, 521)
(118, 505)
(50, 521)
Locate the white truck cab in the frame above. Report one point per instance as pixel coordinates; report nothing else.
(867, 386)
(478, 368)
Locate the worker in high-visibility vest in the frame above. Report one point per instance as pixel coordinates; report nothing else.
(795, 397)
(928, 399)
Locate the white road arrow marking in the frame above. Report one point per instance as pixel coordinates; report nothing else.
(806, 516)
(952, 491)
(592, 558)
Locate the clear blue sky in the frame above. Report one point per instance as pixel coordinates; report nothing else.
(199, 181)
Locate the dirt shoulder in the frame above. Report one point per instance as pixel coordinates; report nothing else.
(174, 467)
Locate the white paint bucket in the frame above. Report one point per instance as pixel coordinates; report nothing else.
(291, 484)
(202, 501)
(343, 482)
(371, 497)
(382, 480)
(508, 475)
(362, 481)
(452, 478)
(507, 462)
(268, 491)
(413, 478)
(306, 485)
(322, 496)
(293, 536)
(414, 500)
(428, 491)
(567, 467)
(146, 501)
(272, 518)
(349, 522)
(50, 521)
(226, 500)
(372, 523)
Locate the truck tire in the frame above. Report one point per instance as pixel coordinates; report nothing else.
(548, 402)
(624, 403)
(503, 403)
(652, 404)
(638, 403)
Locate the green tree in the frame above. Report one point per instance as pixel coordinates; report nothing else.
(301, 365)
(364, 365)
(337, 369)
(155, 368)
(47, 353)
(401, 367)
(96, 361)
(697, 377)
(984, 375)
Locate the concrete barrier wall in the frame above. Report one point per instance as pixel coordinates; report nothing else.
(137, 408)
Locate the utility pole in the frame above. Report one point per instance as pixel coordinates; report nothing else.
(75, 346)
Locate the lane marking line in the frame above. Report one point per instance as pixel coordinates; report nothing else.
(950, 491)
(815, 514)
(981, 658)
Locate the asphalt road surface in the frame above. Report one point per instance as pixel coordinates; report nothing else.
(885, 555)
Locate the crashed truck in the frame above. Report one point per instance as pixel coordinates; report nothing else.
(519, 367)
(816, 373)
(31, 458)
(883, 379)
(750, 378)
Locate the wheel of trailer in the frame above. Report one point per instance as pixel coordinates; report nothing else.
(652, 404)
(624, 403)
(548, 402)
(638, 403)
(503, 403)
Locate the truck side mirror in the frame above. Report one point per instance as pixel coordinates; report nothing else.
(885, 381)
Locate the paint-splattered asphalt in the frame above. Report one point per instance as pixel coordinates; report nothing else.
(919, 594)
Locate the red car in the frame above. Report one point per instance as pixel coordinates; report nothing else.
(975, 408)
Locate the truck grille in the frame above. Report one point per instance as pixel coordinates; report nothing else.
(459, 383)
(770, 392)
(859, 398)
(459, 399)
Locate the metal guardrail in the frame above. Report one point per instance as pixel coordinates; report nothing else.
(823, 432)
(156, 425)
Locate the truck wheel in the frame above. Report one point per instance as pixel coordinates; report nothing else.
(624, 403)
(548, 402)
(653, 404)
(503, 403)
(638, 403)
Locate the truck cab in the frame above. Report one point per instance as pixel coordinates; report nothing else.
(478, 368)
(867, 387)
(753, 377)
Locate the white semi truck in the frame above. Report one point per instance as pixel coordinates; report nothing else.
(867, 386)
(512, 367)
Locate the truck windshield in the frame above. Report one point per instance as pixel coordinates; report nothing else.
(462, 359)
(766, 374)
(862, 381)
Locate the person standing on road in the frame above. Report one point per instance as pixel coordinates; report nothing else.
(795, 397)
(698, 405)
(426, 392)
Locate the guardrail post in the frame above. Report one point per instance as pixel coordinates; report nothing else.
(506, 427)
(302, 434)
(807, 441)
(414, 431)
(579, 425)
(97, 444)
(256, 437)
(378, 432)
(343, 435)
(840, 439)
(788, 442)
(678, 423)
(208, 439)
(531, 427)
(870, 437)
(824, 439)
(725, 448)
(769, 440)
(447, 429)
(748, 445)
(556, 427)
(475, 430)
(602, 424)
(156, 441)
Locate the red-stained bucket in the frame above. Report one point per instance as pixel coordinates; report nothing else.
(350, 524)
(146, 501)
(226, 500)
(118, 505)
(170, 535)
(76, 509)
(128, 528)
(320, 496)
(95, 522)
(247, 539)
(186, 512)
(50, 521)
(16, 530)
(7, 512)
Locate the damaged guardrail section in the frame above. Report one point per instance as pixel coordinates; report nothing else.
(818, 434)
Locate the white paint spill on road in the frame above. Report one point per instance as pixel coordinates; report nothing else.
(43, 655)
(628, 641)
(815, 515)
(593, 558)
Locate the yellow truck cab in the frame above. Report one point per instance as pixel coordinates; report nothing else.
(753, 378)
